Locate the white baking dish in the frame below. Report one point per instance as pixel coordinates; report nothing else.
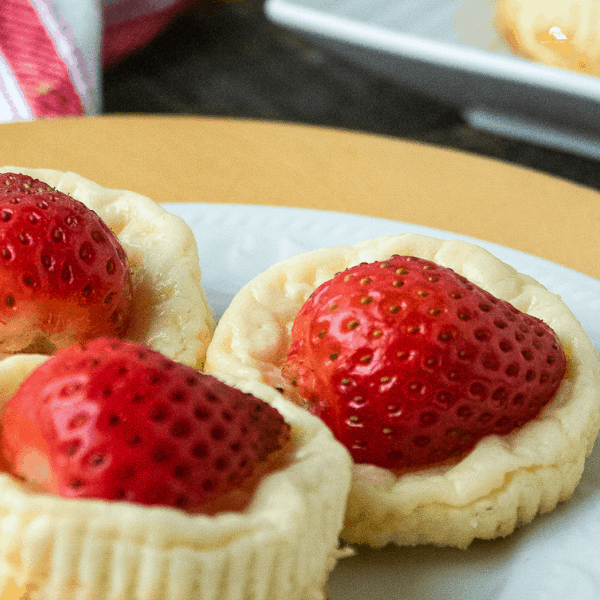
(452, 52)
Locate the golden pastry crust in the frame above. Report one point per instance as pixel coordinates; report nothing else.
(504, 482)
(170, 309)
(283, 545)
(559, 33)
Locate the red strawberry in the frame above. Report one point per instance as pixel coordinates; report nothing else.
(64, 276)
(115, 420)
(16, 183)
(409, 363)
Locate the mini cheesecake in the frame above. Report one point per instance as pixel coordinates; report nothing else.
(499, 485)
(282, 544)
(170, 313)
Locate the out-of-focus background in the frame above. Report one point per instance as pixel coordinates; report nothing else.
(228, 59)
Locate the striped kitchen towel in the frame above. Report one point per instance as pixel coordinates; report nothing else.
(52, 52)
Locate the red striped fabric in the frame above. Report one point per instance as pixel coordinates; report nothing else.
(39, 69)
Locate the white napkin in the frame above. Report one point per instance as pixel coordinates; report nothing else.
(52, 52)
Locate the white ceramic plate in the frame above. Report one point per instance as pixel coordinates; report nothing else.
(557, 557)
(453, 52)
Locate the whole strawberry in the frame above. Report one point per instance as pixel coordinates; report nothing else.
(64, 276)
(410, 364)
(115, 420)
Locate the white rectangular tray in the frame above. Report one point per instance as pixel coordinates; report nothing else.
(452, 52)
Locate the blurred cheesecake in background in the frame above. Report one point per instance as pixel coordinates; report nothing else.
(559, 33)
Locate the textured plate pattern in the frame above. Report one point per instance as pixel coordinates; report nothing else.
(554, 558)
